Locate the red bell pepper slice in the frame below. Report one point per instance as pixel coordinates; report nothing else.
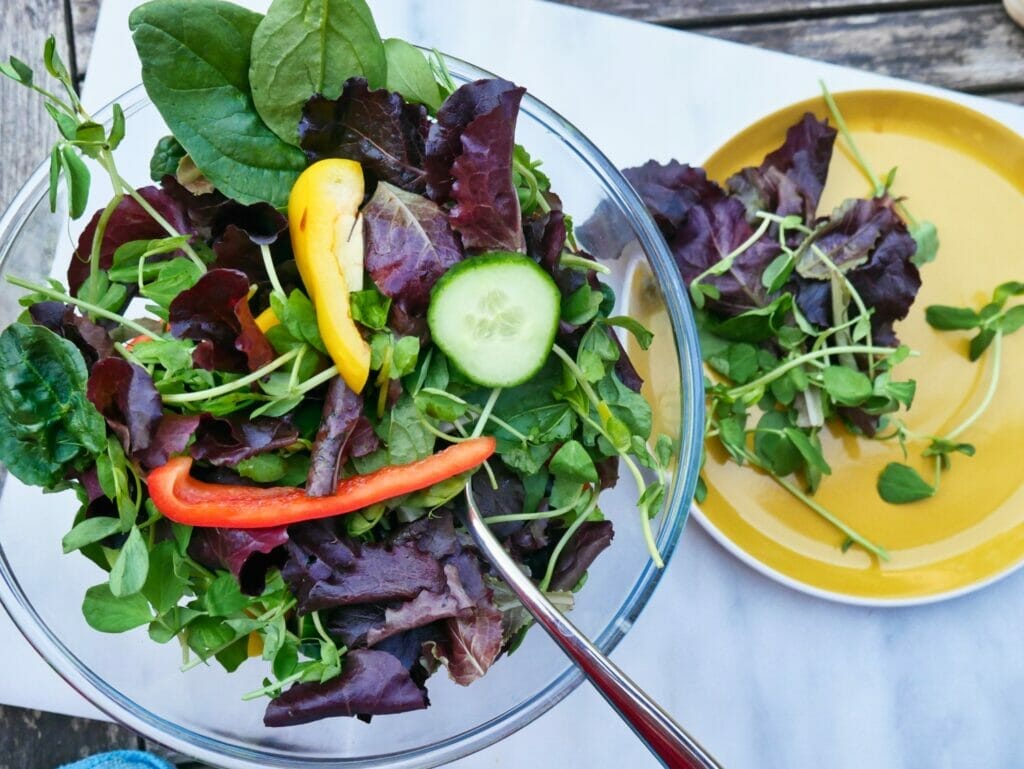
(183, 499)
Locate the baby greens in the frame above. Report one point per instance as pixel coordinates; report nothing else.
(195, 65)
(184, 328)
(302, 47)
(899, 483)
(47, 427)
(796, 310)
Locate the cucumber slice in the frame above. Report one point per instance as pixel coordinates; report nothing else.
(495, 317)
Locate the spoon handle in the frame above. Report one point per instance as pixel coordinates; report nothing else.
(666, 739)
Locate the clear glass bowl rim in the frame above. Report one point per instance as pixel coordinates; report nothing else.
(218, 753)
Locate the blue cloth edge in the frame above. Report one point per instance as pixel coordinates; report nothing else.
(120, 759)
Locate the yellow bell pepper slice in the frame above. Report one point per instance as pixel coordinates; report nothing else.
(327, 238)
(266, 320)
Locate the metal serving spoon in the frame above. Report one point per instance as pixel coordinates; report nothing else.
(666, 739)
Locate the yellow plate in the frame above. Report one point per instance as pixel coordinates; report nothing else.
(964, 172)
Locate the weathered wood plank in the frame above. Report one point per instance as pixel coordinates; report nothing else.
(83, 26)
(687, 13)
(1014, 97)
(973, 48)
(30, 739)
(25, 129)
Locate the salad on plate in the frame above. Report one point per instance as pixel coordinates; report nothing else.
(269, 375)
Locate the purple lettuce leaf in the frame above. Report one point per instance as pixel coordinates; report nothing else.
(172, 435)
(713, 230)
(608, 468)
(215, 312)
(242, 232)
(791, 178)
(363, 441)
(341, 413)
(473, 644)
(486, 212)
(90, 480)
(669, 191)
(408, 648)
(409, 245)
(327, 569)
(406, 324)
(888, 284)
(371, 624)
(210, 214)
(246, 553)
(507, 499)
(580, 552)
(427, 607)
(433, 536)
(128, 222)
(377, 128)
(474, 637)
(91, 339)
(520, 538)
(702, 225)
(236, 250)
(624, 367)
(371, 683)
(126, 397)
(352, 624)
(871, 243)
(226, 441)
(444, 141)
(544, 236)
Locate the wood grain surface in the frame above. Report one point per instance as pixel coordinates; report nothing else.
(697, 13)
(26, 131)
(963, 44)
(973, 48)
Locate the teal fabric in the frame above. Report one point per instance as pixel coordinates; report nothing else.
(121, 759)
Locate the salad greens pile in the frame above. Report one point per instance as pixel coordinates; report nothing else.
(899, 483)
(796, 311)
(184, 336)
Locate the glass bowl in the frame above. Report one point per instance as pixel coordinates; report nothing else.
(200, 712)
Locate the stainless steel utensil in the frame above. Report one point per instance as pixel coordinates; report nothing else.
(666, 739)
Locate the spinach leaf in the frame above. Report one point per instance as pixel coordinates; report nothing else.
(306, 47)
(166, 156)
(410, 75)
(195, 66)
(47, 425)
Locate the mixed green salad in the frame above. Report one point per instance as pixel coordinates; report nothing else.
(797, 311)
(270, 375)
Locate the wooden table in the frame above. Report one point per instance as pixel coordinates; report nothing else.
(970, 46)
